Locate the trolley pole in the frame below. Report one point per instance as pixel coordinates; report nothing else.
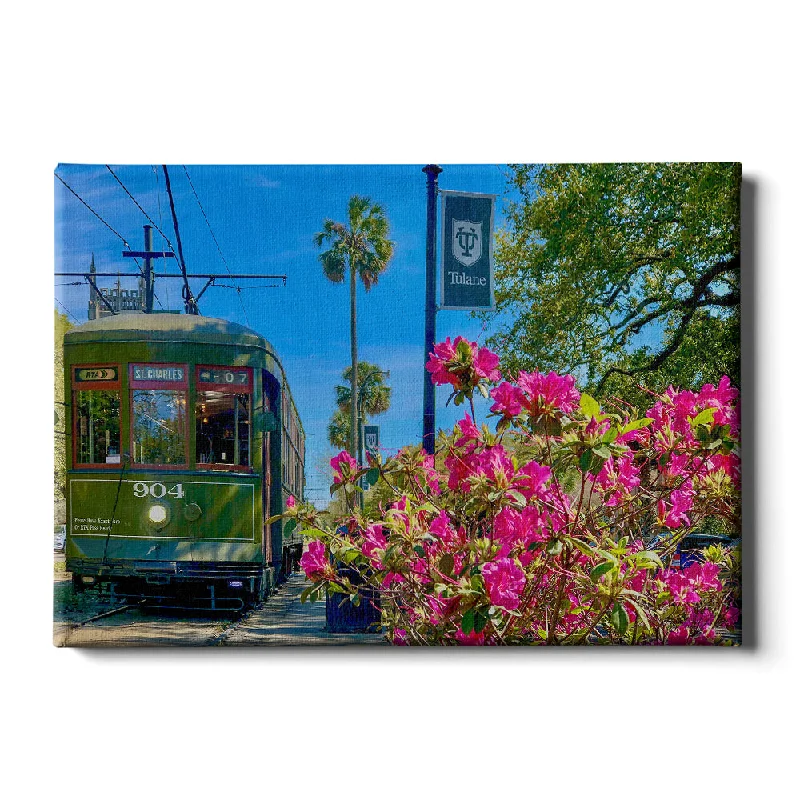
(149, 276)
(428, 390)
(148, 270)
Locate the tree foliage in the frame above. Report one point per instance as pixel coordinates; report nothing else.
(614, 272)
(61, 326)
(374, 397)
(363, 247)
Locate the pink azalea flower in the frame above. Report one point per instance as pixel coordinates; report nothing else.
(443, 352)
(374, 539)
(676, 515)
(470, 433)
(486, 364)
(432, 476)
(442, 529)
(618, 474)
(400, 637)
(290, 501)
(508, 400)
(315, 562)
(495, 464)
(344, 465)
(470, 639)
(547, 394)
(679, 636)
(532, 480)
(462, 363)
(731, 616)
(504, 581)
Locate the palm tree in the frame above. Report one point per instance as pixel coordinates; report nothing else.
(365, 250)
(373, 398)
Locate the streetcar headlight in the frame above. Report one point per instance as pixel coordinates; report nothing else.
(157, 514)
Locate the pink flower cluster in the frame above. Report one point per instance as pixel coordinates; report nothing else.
(344, 467)
(504, 581)
(462, 364)
(542, 396)
(315, 562)
(620, 477)
(531, 533)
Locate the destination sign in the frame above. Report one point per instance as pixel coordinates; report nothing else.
(142, 372)
(228, 377)
(96, 374)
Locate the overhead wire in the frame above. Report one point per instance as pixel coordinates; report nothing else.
(188, 297)
(219, 249)
(113, 230)
(147, 216)
(161, 220)
(69, 313)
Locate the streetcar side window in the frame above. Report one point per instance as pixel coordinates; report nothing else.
(223, 416)
(96, 414)
(159, 425)
(223, 428)
(97, 440)
(158, 410)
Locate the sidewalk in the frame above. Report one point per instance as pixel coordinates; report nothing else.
(283, 620)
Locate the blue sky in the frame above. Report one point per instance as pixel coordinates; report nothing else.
(264, 218)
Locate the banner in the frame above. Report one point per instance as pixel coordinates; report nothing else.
(467, 279)
(372, 439)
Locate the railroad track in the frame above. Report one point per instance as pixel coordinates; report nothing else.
(201, 628)
(110, 613)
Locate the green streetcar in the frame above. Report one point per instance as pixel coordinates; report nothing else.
(183, 440)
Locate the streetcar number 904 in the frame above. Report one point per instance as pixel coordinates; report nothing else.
(157, 490)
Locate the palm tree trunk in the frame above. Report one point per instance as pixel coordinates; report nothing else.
(354, 362)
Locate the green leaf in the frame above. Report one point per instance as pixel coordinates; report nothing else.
(590, 407)
(600, 570)
(304, 595)
(468, 622)
(586, 549)
(446, 564)
(635, 424)
(517, 497)
(601, 451)
(289, 527)
(619, 619)
(419, 550)
(481, 618)
(648, 556)
(554, 547)
(483, 390)
(585, 461)
(373, 476)
(349, 555)
(705, 417)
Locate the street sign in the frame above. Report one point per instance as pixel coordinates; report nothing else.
(467, 279)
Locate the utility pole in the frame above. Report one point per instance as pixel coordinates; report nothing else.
(149, 277)
(428, 391)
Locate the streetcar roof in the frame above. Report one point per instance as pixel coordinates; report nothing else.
(167, 327)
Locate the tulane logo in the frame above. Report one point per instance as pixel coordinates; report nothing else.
(467, 241)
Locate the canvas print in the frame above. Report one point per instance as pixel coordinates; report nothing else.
(398, 405)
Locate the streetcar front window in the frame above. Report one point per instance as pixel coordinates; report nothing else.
(223, 428)
(159, 427)
(97, 423)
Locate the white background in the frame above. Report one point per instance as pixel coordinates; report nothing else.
(416, 82)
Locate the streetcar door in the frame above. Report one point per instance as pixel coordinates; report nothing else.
(269, 409)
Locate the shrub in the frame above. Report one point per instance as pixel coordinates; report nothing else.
(556, 527)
